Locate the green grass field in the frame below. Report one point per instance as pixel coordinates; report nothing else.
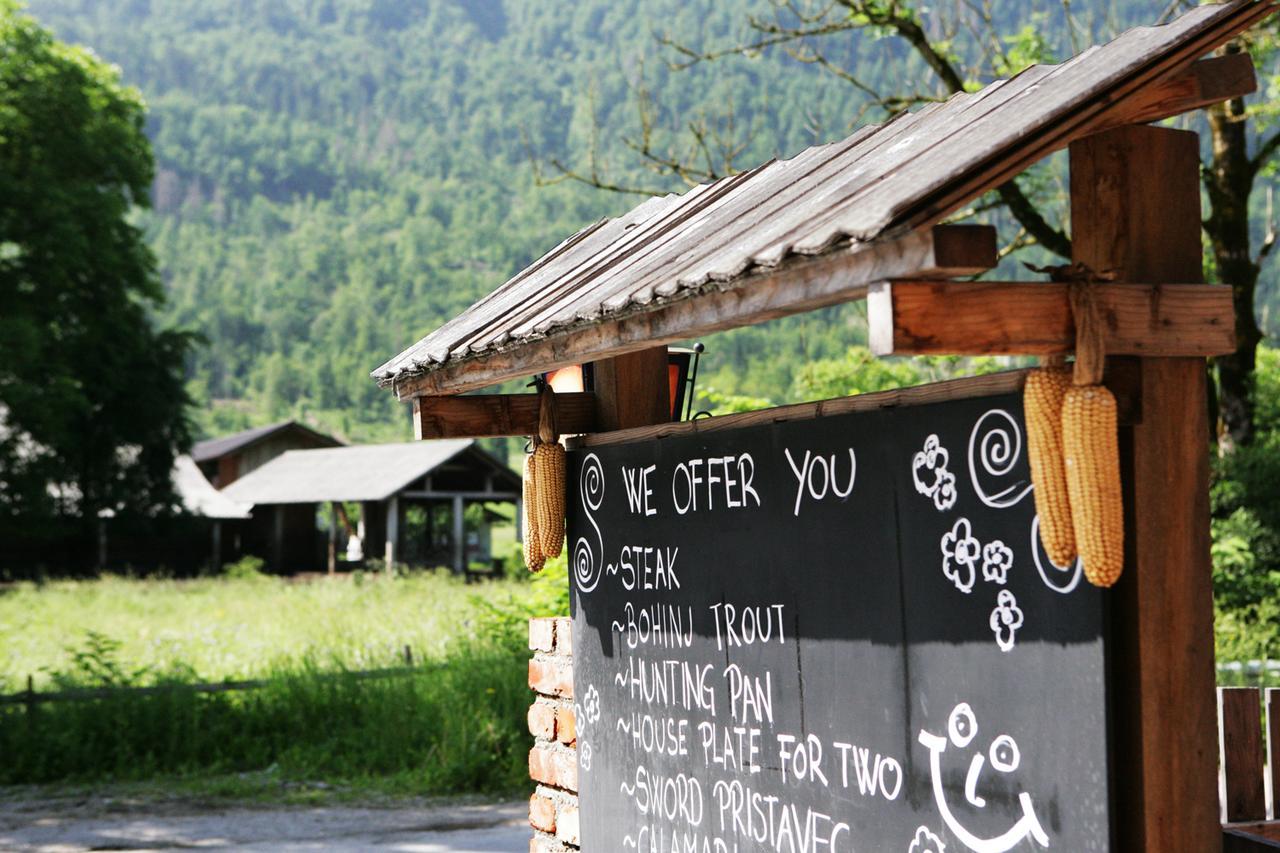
(223, 628)
(454, 723)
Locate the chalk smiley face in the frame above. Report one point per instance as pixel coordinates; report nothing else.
(1003, 756)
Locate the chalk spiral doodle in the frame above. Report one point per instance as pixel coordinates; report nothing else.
(995, 447)
(587, 562)
(1062, 579)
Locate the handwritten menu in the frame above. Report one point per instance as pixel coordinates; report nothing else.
(833, 635)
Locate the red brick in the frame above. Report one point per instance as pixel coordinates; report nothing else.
(551, 678)
(567, 825)
(542, 634)
(542, 720)
(564, 636)
(542, 813)
(566, 725)
(545, 844)
(557, 768)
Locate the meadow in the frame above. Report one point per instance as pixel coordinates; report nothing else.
(452, 722)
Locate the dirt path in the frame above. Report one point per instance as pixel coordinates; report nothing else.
(96, 822)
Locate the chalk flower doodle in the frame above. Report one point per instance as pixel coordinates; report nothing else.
(926, 842)
(960, 552)
(995, 446)
(591, 706)
(1004, 757)
(930, 475)
(1006, 619)
(587, 562)
(584, 755)
(997, 559)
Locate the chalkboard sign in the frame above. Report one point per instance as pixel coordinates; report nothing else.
(833, 635)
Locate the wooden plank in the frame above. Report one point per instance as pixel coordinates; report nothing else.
(1121, 378)
(1272, 700)
(1240, 753)
(632, 390)
(801, 284)
(955, 389)
(1198, 85)
(1135, 208)
(1089, 119)
(1034, 318)
(486, 415)
(1245, 839)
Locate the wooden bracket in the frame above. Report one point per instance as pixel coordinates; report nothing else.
(1198, 85)
(487, 415)
(1034, 318)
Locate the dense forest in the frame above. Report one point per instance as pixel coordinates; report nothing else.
(337, 177)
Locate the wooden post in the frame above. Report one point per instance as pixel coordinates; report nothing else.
(459, 535)
(1240, 748)
(333, 538)
(633, 390)
(216, 562)
(277, 538)
(1135, 209)
(393, 531)
(1272, 700)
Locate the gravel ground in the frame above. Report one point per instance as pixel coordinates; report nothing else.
(97, 822)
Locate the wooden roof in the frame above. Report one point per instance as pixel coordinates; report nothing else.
(214, 448)
(870, 199)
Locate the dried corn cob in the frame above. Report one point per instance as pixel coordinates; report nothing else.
(533, 558)
(549, 477)
(1092, 457)
(1091, 448)
(1042, 401)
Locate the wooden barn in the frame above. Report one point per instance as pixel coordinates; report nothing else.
(413, 500)
(225, 459)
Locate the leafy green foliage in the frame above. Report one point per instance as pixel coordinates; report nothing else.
(1245, 503)
(91, 394)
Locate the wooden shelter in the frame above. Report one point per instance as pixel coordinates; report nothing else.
(442, 477)
(866, 218)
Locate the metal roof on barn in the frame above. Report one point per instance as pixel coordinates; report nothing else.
(372, 472)
(881, 183)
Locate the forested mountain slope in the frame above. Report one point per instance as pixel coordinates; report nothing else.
(336, 177)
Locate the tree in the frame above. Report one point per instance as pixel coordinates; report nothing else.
(92, 401)
(807, 31)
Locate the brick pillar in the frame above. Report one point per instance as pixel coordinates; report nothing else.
(553, 761)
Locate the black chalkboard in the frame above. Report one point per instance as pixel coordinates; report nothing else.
(882, 659)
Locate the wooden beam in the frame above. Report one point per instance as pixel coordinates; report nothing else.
(632, 390)
(796, 286)
(1135, 208)
(485, 415)
(1201, 84)
(1034, 318)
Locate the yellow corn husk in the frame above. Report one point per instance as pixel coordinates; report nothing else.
(1092, 456)
(549, 476)
(1042, 403)
(533, 558)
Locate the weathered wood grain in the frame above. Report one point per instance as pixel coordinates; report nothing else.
(632, 390)
(1034, 318)
(487, 415)
(1135, 208)
(1240, 753)
(1198, 85)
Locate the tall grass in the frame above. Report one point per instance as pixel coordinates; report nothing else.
(454, 726)
(225, 628)
(454, 723)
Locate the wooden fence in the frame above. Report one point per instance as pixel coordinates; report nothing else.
(31, 698)
(1249, 768)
